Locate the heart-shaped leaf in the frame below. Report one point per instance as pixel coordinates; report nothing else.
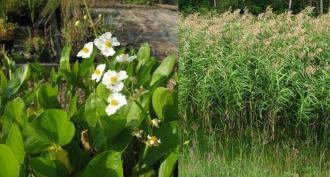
(55, 127)
(106, 164)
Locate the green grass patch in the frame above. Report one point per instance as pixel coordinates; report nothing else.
(210, 156)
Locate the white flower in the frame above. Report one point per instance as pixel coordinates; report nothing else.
(106, 43)
(137, 133)
(113, 80)
(124, 58)
(86, 51)
(98, 72)
(155, 122)
(153, 141)
(116, 101)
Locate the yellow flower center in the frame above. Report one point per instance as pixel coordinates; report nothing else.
(85, 49)
(108, 44)
(114, 102)
(113, 79)
(97, 72)
(153, 140)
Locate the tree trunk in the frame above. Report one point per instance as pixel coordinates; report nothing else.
(290, 4)
(215, 3)
(321, 7)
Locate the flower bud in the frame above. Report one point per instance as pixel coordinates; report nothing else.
(77, 23)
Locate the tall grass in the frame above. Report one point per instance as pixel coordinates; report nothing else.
(243, 74)
(211, 156)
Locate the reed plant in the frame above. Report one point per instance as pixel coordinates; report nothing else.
(268, 74)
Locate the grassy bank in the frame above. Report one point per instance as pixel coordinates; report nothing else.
(210, 156)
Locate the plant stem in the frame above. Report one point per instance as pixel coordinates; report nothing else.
(90, 18)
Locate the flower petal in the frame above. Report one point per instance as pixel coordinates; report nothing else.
(107, 35)
(110, 110)
(108, 52)
(122, 75)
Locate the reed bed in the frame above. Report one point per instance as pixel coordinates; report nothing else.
(242, 75)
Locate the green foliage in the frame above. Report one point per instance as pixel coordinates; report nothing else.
(14, 84)
(61, 127)
(210, 155)
(141, 2)
(164, 69)
(53, 126)
(267, 73)
(106, 164)
(9, 165)
(254, 6)
(48, 168)
(168, 165)
(163, 102)
(15, 141)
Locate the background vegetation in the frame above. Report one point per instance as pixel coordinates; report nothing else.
(254, 6)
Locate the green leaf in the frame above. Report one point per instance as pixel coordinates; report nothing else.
(72, 106)
(121, 142)
(29, 97)
(3, 81)
(55, 127)
(35, 142)
(134, 114)
(163, 99)
(168, 166)
(56, 152)
(145, 72)
(143, 54)
(48, 168)
(65, 58)
(106, 164)
(147, 172)
(16, 111)
(103, 92)
(9, 166)
(86, 65)
(168, 134)
(164, 69)
(53, 76)
(47, 96)
(15, 141)
(38, 70)
(20, 75)
(94, 109)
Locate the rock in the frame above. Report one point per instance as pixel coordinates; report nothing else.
(135, 25)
